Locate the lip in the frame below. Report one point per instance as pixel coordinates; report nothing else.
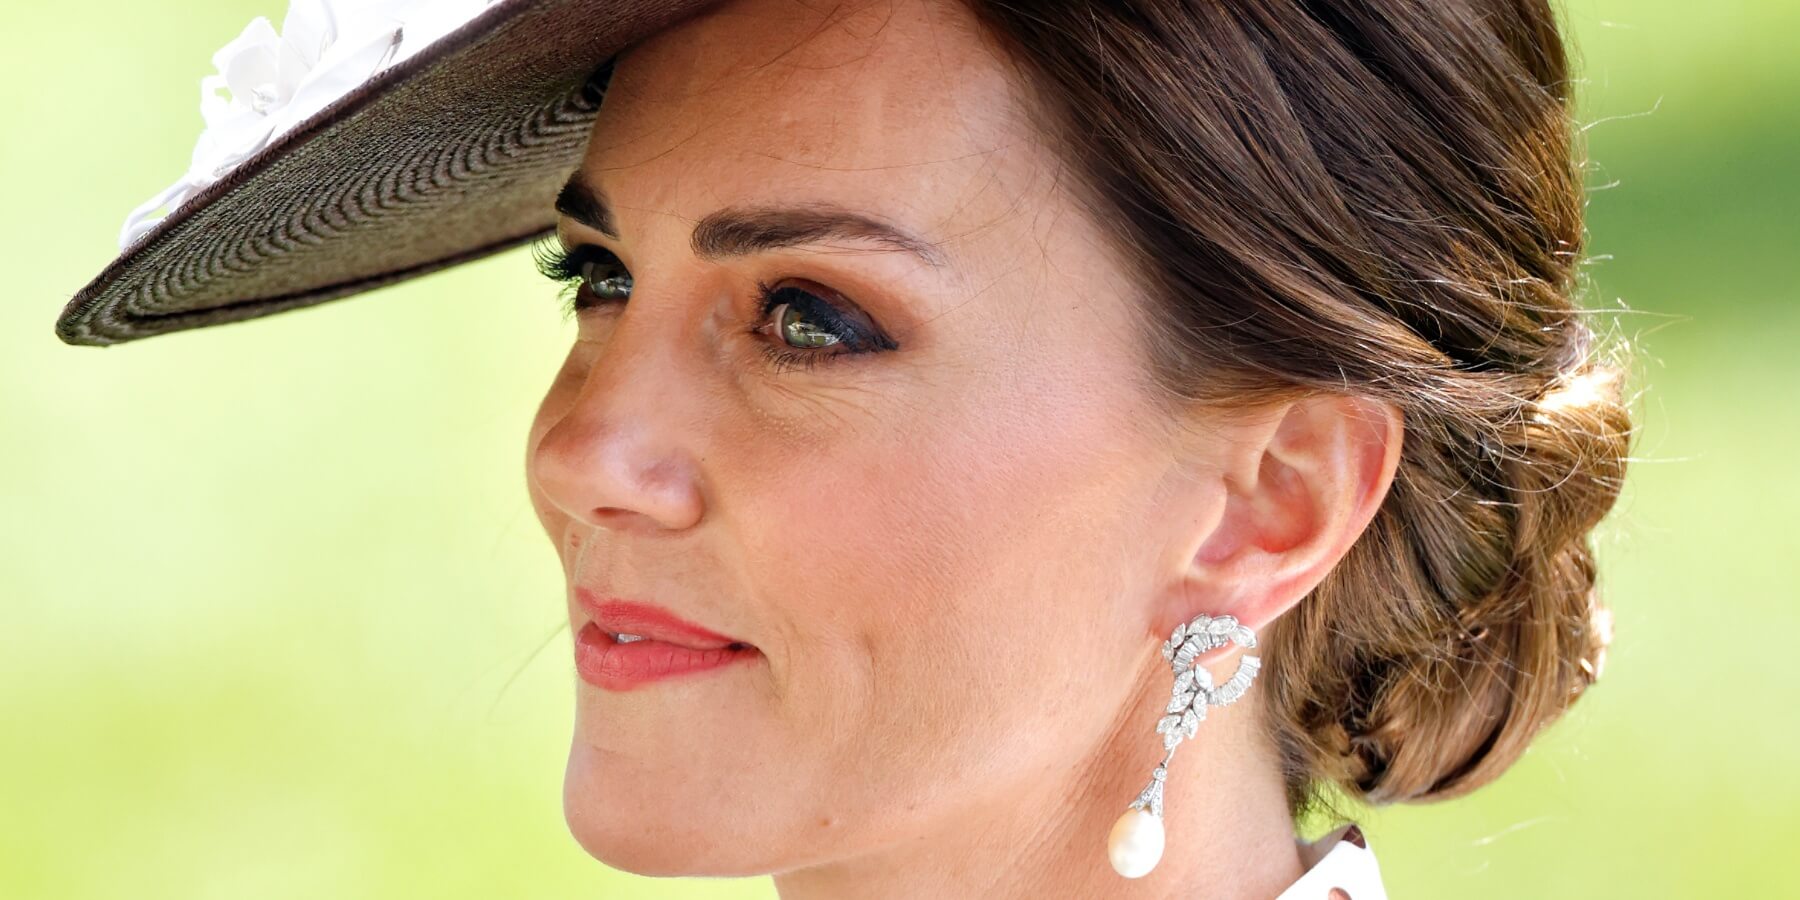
(606, 663)
(671, 645)
(649, 621)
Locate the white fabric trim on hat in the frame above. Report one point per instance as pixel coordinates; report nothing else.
(277, 81)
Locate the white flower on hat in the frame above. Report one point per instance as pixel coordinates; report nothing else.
(276, 81)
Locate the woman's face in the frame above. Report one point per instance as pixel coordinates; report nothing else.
(944, 534)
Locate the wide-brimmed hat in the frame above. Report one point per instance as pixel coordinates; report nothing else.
(369, 142)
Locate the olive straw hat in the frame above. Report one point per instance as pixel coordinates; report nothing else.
(370, 142)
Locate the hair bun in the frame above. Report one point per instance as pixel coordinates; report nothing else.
(1502, 630)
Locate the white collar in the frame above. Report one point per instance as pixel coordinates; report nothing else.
(1341, 859)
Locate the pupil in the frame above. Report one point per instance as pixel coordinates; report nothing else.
(612, 287)
(803, 335)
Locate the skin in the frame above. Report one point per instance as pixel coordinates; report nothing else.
(957, 558)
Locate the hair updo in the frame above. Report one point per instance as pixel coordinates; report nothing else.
(1378, 197)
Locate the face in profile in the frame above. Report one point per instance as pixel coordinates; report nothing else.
(854, 384)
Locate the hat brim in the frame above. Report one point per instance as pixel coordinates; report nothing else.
(450, 155)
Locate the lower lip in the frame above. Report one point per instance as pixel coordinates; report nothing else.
(606, 663)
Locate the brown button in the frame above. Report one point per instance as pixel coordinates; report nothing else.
(1338, 893)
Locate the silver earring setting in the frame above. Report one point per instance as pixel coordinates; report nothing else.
(1135, 844)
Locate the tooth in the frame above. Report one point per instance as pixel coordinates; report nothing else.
(628, 638)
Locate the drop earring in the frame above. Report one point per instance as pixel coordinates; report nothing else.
(1135, 844)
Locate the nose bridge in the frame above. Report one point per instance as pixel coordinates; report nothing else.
(622, 451)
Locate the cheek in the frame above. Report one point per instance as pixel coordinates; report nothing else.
(952, 580)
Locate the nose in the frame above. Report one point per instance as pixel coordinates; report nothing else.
(618, 454)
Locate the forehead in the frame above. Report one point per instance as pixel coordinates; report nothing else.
(899, 107)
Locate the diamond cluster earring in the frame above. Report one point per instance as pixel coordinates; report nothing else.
(1135, 844)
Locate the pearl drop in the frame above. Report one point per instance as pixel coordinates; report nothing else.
(1136, 843)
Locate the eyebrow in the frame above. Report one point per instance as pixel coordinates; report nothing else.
(742, 230)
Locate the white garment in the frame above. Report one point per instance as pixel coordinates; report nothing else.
(1341, 859)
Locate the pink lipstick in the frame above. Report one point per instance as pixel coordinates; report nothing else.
(626, 645)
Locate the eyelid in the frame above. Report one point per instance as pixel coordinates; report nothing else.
(578, 246)
(565, 260)
(833, 302)
(582, 255)
(828, 303)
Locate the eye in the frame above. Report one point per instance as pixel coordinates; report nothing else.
(802, 323)
(806, 328)
(593, 276)
(607, 279)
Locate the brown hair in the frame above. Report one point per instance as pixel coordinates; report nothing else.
(1378, 197)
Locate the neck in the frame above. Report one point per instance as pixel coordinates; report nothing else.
(1229, 835)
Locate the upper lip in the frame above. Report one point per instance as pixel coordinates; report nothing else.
(646, 620)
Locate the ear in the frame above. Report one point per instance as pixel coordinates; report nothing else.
(1301, 480)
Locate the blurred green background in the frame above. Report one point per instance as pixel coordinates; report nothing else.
(279, 622)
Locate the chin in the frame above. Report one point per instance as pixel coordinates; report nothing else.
(620, 825)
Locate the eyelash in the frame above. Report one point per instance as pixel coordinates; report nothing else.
(565, 266)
